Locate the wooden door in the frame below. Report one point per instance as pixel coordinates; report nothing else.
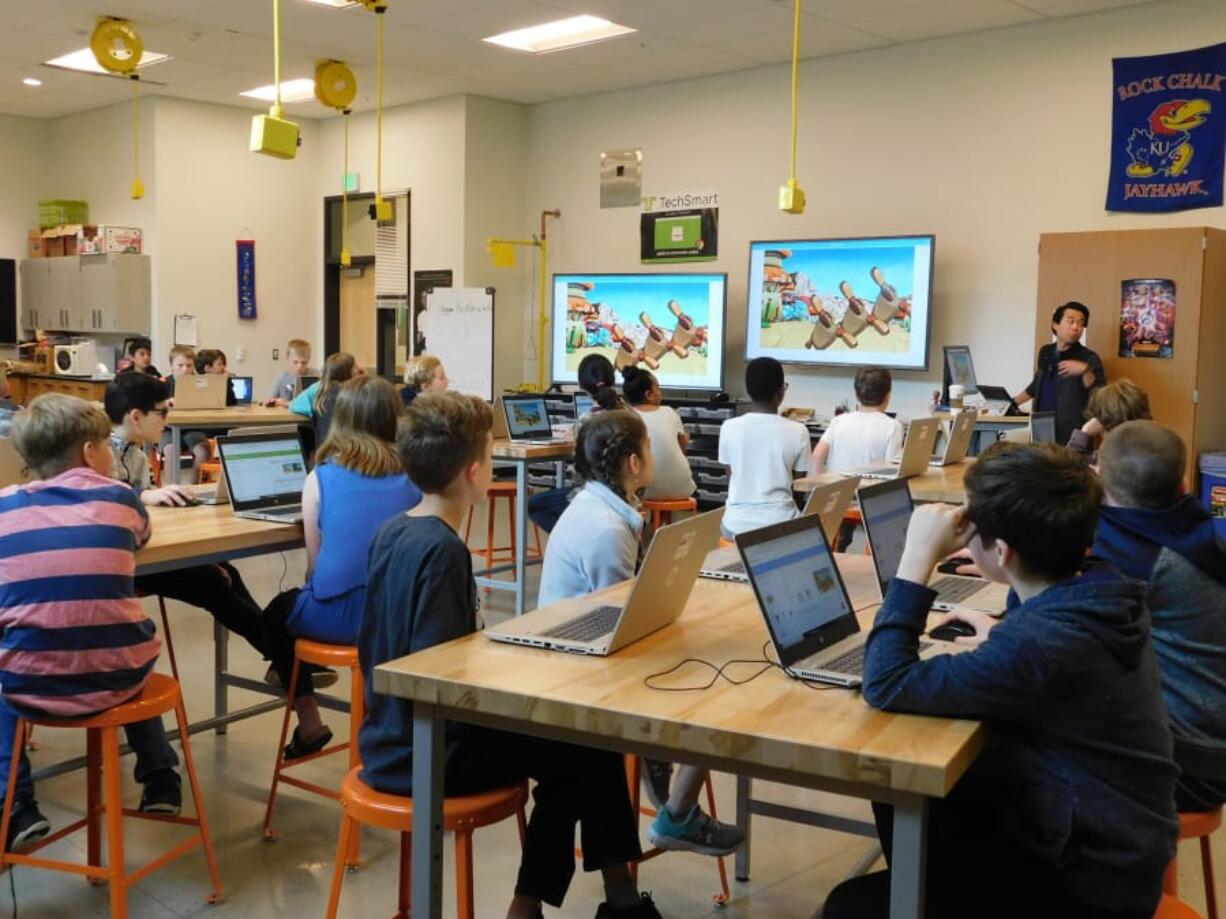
(1091, 268)
(358, 328)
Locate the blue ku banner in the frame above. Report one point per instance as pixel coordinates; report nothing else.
(1168, 131)
(245, 249)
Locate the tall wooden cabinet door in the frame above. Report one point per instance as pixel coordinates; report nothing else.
(1211, 372)
(1093, 268)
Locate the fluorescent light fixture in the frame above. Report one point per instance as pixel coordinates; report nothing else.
(31, 81)
(338, 4)
(299, 90)
(85, 62)
(561, 34)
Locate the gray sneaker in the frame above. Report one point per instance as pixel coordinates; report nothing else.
(657, 777)
(698, 832)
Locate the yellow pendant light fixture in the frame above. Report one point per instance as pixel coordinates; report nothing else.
(381, 210)
(117, 48)
(791, 195)
(336, 87)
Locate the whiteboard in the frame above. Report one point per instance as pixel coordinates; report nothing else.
(458, 325)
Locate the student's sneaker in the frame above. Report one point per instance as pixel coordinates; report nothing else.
(657, 777)
(321, 677)
(163, 793)
(644, 909)
(697, 832)
(26, 825)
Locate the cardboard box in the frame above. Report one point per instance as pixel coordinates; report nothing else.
(34, 244)
(61, 241)
(103, 238)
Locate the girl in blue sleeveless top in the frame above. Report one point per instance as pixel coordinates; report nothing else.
(358, 484)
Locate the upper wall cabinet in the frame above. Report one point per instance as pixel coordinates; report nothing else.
(90, 294)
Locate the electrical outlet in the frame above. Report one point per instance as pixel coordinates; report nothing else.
(276, 354)
(241, 354)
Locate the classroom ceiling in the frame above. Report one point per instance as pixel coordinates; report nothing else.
(222, 47)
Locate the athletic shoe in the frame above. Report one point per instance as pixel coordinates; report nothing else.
(696, 833)
(657, 776)
(163, 793)
(321, 677)
(26, 825)
(644, 909)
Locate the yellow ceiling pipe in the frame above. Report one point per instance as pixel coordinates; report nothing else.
(502, 251)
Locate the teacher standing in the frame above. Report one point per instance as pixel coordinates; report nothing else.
(1067, 371)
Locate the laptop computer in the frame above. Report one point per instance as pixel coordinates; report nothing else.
(1043, 427)
(959, 440)
(304, 382)
(886, 508)
(583, 625)
(916, 450)
(200, 391)
(242, 388)
(997, 401)
(804, 601)
(219, 494)
(264, 475)
(583, 405)
(828, 502)
(527, 419)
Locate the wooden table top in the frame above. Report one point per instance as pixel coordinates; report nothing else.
(209, 532)
(939, 483)
(772, 726)
(985, 417)
(234, 417)
(508, 450)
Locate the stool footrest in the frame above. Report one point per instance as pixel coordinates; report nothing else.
(310, 786)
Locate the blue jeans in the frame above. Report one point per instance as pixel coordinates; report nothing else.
(146, 738)
(545, 508)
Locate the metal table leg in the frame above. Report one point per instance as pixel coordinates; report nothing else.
(427, 811)
(744, 791)
(521, 534)
(176, 448)
(909, 863)
(221, 662)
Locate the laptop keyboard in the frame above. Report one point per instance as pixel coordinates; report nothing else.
(588, 627)
(954, 590)
(852, 663)
(733, 568)
(290, 510)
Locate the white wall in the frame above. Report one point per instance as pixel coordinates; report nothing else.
(212, 191)
(986, 140)
(23, 168)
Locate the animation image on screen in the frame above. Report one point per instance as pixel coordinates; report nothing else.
(841, 301)
(671, 324)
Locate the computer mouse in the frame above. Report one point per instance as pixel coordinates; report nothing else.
(951, 565)
(955, 628)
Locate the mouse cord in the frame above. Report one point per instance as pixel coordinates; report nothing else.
(720, 672)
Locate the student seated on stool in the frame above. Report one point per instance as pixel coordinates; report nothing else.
(1069, 810)
(76, 641)
(1152, 530)
(421, 593)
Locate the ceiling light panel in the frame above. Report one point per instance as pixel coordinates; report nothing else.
(560, 34)
(85, 62)
(299, 90)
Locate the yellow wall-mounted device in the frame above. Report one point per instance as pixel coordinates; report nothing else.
(791, 198)
(273, 134)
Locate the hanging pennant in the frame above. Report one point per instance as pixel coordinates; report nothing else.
(246, 278)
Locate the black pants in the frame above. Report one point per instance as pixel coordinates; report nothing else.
(966, 880)
(573, 785)
(545, 508)
(280, 642)
(206, 586)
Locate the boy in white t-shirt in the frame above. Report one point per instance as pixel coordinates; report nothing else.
(765, 453)
(860, 438)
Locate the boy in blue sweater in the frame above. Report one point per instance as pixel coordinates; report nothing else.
(1069, 810)
(421, 593)
(1152, 530)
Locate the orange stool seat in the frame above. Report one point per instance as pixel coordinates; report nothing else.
(1172, 908)
(361, 804)
(505, 491)
(104, 794)
(321, 654)
(662, 509)
(1196, 826)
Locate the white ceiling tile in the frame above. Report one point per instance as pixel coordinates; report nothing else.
(818, 38)
(941, 17)
(1076, 7)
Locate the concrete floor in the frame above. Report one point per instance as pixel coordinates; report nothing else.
(794, 867)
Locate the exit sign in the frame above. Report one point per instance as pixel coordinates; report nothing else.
(351, 182)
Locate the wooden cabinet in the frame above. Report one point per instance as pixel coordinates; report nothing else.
(87, 294)
(25, 387)
(1187, 390)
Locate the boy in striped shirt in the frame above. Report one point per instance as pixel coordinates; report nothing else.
(75, 639)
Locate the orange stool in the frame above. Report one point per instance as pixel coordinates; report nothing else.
(210, 469)
(853, 515)
(662, 509)
(491, 552)
(362, 805)
(104, 792)
(1172, 908)
(324, 655)
(1196, 826)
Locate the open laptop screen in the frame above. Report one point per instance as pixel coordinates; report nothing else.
(241, 387)
(886, 509)
(527, 417)
(797, 584)
(583, 404)
(1043, 427)
(263, 469)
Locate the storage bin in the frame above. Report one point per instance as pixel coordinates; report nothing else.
(55, 211)
(1213, 488)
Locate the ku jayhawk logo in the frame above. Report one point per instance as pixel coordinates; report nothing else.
(1162, 147)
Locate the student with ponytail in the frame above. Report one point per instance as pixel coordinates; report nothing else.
(598, 543)
(673, 478)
